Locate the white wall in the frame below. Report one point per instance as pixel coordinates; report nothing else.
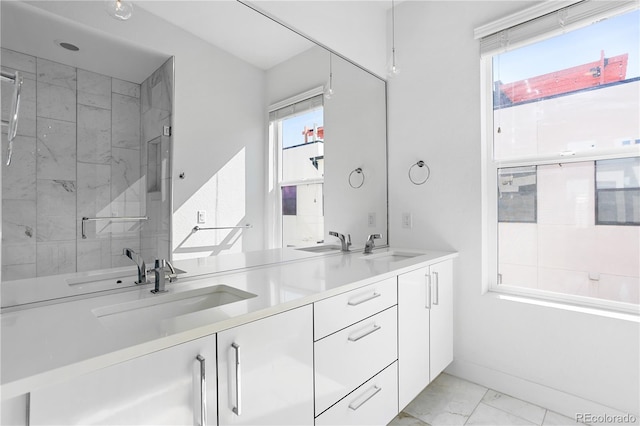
(564, 360)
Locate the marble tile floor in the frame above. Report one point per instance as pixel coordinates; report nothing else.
(449, 400)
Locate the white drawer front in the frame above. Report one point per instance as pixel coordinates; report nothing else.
(348, 358)
(373, 403)
(338, 312)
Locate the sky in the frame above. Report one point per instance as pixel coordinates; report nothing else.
(292, 127)
(616, 36)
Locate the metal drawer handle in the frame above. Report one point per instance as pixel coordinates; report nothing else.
(355, 405)
(203, 391)
(436, 293)
(365, 334)
(357, 301)
(427, 279)
(237, 409)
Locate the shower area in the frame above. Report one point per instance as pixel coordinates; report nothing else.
(90, 172)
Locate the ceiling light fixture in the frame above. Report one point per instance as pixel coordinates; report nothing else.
(119, 9)
(393, 66)
(328, 91)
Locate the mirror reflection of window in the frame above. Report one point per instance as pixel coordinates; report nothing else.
(299, 137)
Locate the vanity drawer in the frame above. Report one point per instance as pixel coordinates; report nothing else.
(338, 312)
(373, 403)
(350, 357)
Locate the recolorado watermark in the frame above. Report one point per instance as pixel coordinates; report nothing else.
(606, 418)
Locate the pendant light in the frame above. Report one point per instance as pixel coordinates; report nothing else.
(328, 90)
(393, 68)
(119, 9)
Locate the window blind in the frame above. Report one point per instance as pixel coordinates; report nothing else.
(296, 108)
(498, 37)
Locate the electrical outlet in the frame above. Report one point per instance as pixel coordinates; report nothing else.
(166, 130)
(371, 220)
(407, 220)
(202, 216)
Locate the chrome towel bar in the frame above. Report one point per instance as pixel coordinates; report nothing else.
(114, 219)
(198, 228)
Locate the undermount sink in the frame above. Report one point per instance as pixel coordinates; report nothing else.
(320, 249)
(391, 256)
(159, 307)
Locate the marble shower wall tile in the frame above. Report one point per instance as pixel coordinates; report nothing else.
(125, 122)
(55, 258)
(18, 61)
(56, 74)
(18, 221)
(56, 149)
(18, 260)
(94, 197)
(56, 102)
(56, 214)
(157, 90)
(125, 175)
(17, 272)
(19, 182)
(94, 89)
(125, 88)
(94, 135)
(93, 254)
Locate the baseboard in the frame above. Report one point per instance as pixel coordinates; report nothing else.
(551, 399)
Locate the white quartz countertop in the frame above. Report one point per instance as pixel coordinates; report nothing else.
(46, 344)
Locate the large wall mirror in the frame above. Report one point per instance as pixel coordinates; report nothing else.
(150, 130)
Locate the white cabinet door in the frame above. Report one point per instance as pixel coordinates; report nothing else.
(413, 334)
(441, 337)
(162, 388)
(425, 327)
(266, 371)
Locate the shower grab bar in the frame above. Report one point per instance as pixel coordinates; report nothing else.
(115, 218)
(198, 228)
(12, 123)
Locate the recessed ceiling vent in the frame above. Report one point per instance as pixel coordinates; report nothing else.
(68, 46)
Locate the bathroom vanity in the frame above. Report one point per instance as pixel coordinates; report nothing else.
(325, 339)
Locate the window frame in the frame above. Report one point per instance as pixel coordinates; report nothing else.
(275, 181)
(490, 167)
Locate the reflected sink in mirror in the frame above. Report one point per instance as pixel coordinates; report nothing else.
(320, 249)
(391, 256)
(156, 308)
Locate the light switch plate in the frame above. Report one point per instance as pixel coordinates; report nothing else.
(371, 220)
(407, 220)
(202, 216)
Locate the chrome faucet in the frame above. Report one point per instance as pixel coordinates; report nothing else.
(139, 261)
(344, 242)
(160, 276)
(368, 246)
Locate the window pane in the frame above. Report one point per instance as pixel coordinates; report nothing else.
(574, 92)
(303, 146)
(302, 215)
(618, 192)
(565, 251)
(517, 194)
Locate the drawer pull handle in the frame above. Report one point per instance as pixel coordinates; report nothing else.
(358, 301)
(365, 334)
(237, 409)
(427, 280)
(203, 391)
(357, 404)
(436, 293)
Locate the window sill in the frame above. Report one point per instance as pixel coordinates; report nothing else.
(513, 295)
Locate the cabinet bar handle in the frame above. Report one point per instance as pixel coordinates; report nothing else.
(436, 294)
(355, 405)
(203, 391)
(365, 334)
(358, 301)
(237, 409)
(427, 280)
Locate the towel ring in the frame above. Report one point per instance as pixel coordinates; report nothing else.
(420, 164)
(358, 171)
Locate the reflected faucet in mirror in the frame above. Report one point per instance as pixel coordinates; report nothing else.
(139, 261)
(368, 246)
(344, 242)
